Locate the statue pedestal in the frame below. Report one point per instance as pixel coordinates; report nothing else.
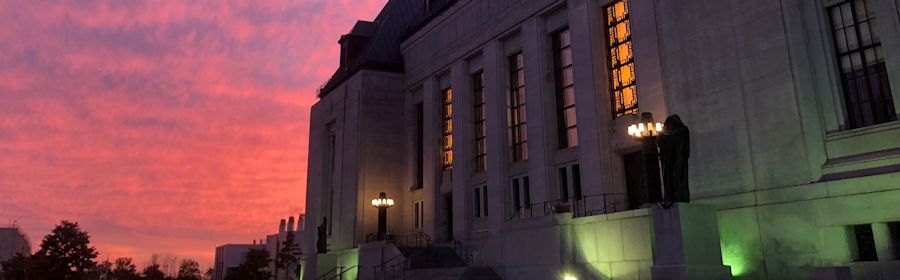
(686, 243)
(324, 263)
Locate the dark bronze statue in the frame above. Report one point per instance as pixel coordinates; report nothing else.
(674, 150)
(321, 242)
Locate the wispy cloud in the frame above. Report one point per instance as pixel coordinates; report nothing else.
(162, 126)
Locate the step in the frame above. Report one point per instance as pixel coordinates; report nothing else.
(453, 273)
(432, 257)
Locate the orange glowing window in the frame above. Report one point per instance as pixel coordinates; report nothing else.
(447, 131)
(621, 61)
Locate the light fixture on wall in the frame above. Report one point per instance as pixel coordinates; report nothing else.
(382, 203)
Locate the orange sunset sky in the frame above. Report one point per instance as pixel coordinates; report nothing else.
(162, 126)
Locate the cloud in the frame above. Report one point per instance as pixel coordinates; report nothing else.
(162, 126)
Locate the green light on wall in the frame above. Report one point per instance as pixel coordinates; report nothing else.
(738, 266)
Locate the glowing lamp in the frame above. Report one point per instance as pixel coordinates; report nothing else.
(382, 202)
(569, 277)
(646, 127)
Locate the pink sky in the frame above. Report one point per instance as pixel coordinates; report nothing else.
(161, 126)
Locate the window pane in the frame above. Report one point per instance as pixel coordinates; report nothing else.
(566, 75)
(515, 195)
(836, 18)
(572, 134)
(565, 57)
(841, 40)
(570, 117)
(624, 52)
(859, 6)
(568, 97)
(484, 198)
(526, 190)
(864, 34)
(563, 184)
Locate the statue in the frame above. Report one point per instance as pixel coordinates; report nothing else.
(321, 242)
(674, 150)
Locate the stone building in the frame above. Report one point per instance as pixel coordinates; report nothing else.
(499, 128)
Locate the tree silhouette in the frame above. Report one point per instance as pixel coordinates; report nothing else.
(65, 253)
(189, 270)
(152, 272)
(124, 269)
(209, 274)
(254, 267)
(14, 268)
(288, 256)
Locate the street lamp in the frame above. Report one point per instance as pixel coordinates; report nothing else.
(646, 131)
(382, 203)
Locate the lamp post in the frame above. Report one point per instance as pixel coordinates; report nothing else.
(382, 203)
(646, 131)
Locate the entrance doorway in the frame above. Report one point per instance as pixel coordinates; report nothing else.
(634, 180)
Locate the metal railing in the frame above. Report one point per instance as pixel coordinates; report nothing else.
(372, 237)
(463, 252)
(340, 275)
(598, 204)
(393, 268)
(583, 206)
(324, 276)
(419, 239)
(541, 209)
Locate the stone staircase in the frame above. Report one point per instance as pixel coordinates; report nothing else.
(440, 262)
(432, 257)
(452, 273)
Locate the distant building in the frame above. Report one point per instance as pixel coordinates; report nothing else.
(275, 243)
(230, 256)
(500, 127)
(13, 241)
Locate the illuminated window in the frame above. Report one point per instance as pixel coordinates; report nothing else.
(867, 93)
(480, 129)
(518, 129)
(565, 90)
(447, 131)
(621, 62)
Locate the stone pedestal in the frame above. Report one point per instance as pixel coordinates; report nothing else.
(324, 263)
(686, 243)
